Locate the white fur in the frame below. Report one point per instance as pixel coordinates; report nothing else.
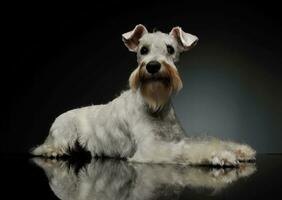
(122, 128)
(126, 128)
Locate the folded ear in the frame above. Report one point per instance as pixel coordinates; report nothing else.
(131, 38)
(185, 40)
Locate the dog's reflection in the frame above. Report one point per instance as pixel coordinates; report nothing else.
(117, 179)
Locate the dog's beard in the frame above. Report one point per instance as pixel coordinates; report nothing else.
(156, 93)
(157, 89)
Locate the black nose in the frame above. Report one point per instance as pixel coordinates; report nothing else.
(153, 67)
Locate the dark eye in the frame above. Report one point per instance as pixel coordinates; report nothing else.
(170, 49)
(144, 50)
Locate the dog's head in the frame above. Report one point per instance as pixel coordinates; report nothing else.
(156, 75)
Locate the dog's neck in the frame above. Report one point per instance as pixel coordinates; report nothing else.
(159, 113)
(162, 112)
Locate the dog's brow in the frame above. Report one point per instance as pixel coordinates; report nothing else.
(155, 29)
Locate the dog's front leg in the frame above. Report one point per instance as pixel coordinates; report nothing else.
(189, 152)
(206, 152)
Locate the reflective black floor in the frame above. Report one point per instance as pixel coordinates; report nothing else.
(107, 179)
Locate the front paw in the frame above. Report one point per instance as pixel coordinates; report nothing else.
(224, 158)
(245, 153)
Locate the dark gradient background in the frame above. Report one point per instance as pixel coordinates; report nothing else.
(64, 59)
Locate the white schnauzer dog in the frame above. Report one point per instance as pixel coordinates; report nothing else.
(140, 125)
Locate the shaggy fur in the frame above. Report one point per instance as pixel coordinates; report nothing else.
(140, 125)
